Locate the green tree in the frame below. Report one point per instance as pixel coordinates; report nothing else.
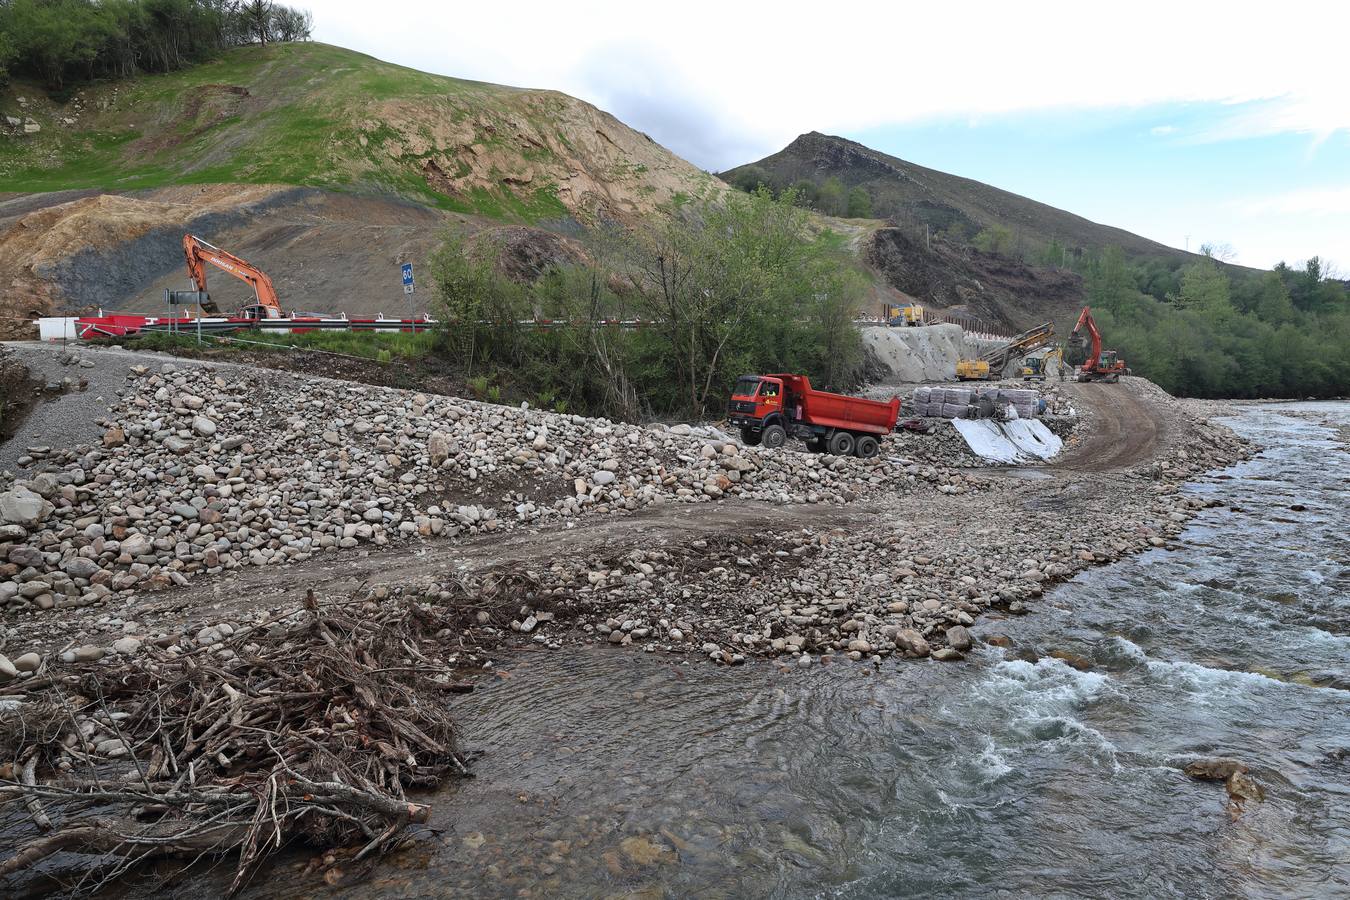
(747, 178)
(859, 204)
(1204, 286)
(994, 239)
(804, 192)
(832, 197)
(1109, 282)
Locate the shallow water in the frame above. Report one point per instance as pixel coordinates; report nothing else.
(610, 773)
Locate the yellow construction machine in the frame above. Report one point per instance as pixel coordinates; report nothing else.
(904, 315)
(1037, 368)
(972, 370)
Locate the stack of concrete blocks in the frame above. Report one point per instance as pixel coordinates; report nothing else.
(964, 402)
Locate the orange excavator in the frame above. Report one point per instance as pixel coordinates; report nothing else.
(198, 252)
(1098, 364)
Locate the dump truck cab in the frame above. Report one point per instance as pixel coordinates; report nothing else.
(757, 401)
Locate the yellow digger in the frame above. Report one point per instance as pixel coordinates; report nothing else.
(1037, 368)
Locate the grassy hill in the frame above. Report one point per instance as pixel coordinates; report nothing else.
(310, 114)
(913, 194)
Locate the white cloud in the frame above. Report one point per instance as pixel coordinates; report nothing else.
(1162, 130)
(724, 82)
(1329, 201)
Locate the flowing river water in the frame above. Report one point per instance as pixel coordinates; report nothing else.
(628, 774)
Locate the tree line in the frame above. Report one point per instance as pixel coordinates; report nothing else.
(728, 289)
(831, 197)
(66, 42)
(1199, 332)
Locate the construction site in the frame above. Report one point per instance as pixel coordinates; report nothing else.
(183, 528)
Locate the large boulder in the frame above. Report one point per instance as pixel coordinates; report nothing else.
(23, 507)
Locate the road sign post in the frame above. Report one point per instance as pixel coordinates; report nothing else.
(408, 290)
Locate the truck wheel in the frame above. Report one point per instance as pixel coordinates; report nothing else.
(841, 443)
(750, 437)
(867, 447)
(773, 437)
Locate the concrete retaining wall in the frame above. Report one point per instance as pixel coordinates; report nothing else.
(927, 353)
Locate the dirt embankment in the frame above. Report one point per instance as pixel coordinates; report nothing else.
(1001, 291)
(325, 252)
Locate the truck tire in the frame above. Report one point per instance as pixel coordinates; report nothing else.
(841, 443)
(750, 437)
(867, 447)
(773, 436)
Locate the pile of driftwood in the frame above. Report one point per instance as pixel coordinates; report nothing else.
(311, 727)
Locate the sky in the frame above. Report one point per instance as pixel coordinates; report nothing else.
(1186, 122)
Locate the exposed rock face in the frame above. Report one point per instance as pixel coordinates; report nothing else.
(527, 142)
(1002, 292)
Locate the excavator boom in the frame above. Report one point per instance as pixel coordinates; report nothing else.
(1095, 366)
(199, 252)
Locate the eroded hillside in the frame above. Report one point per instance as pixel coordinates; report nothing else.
(323, 166)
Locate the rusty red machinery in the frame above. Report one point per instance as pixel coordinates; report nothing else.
(768, 409)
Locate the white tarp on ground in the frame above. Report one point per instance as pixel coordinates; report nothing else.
(1018, 441)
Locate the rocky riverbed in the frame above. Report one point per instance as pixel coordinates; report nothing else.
(210, 472)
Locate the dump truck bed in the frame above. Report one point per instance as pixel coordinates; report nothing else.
(838, 411)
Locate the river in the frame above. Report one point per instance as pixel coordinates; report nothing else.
(612, 773)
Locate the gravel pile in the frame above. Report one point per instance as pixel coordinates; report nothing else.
(197, 474)
(200, 473)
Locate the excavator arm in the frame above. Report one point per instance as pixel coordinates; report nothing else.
(199, 252)
(1085, 320)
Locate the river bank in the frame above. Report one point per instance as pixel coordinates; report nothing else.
(1053, 766)
(251, 498)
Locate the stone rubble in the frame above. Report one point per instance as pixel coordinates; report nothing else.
(199, 473)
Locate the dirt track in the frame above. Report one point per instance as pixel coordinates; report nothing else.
(338, 577)
(1124, 431)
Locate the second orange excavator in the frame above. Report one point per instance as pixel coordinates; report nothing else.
(198, 252)
(1097, 364)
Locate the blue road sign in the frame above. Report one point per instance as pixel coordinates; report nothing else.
(407, 273)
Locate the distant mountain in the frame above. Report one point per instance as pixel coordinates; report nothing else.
(913, 194)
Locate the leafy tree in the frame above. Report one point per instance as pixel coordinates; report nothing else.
(995, 239)
(804, 192)
(1052, 254)
(859, 204)
(729, 288)
(1203, 285)
(259, 16)
(1109, 281)
(748, 178)
(832, 197)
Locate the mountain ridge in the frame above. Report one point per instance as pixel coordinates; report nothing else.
(915, 194)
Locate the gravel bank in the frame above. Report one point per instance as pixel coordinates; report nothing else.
(201, 472)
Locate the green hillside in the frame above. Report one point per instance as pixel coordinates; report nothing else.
(959, 207)
(316, 115)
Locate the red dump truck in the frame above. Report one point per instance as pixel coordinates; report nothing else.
(769, 409)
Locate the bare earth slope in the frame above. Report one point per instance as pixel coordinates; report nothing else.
(325, 167)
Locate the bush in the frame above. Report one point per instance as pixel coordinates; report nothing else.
(723, 290)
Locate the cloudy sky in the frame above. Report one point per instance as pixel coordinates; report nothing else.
(1187, 122)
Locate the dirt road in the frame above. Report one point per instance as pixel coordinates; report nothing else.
(1124, 430)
